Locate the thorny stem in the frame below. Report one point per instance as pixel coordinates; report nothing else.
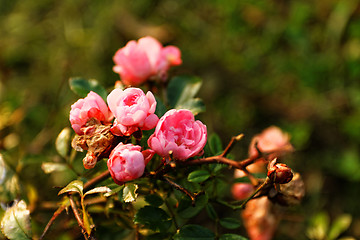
(180, 188)
(55, 215)
(97, 179)
(77, 216)
(231, 144)
(266, 182)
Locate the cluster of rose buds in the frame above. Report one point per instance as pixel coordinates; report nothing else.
(176, 134)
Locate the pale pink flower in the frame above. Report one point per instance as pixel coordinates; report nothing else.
(127, 162)
(178, 133)
(271, 139)
(146, 58)
(259, 221)
(241, 191)
(133, 110)
(90, 107)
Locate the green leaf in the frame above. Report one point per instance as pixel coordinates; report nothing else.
(49, 167)
(62, 142)
(230, 223)
(129, 192)
(192, 232)
(82, 87)
(15, 223)
(154, 200)
(211, 211)
(187, 210)
(215, 144)
(341, 224)
(153, 218)
(74, 186)
(181, 89)
(2, 170)
(160, 107)
(195, 105)
(319, 226)
(102, 189)
(230, 236)
(198, 176)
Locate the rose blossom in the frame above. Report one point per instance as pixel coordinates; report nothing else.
(133, 110)
(90, 107)
(259, 221)
(271, 139)
(179, 133)
(127, 162)
(241, 191)
(138, 61)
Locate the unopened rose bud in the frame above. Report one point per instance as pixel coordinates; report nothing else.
(290, 193)
(280, 173)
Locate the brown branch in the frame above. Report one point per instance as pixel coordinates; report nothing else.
(55, 215)
(77, 216)
(97, 179)
(231, 144)
(180, 188)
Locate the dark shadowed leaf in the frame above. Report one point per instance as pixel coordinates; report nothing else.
(215, 144)
(15, 223)
(154, 200)
(192, 232)
(181, 89)
(230, 223)
(153, 218)
(82, 87)
(230, 236)
(187, 210)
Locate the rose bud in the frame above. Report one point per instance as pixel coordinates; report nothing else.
(271, 139)
(280, 173)
(144, 59)
(241, 191)
(133, 110)
(127, 162)
(93, 108)
(178, 133)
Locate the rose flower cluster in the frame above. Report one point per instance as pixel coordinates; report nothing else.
(130, 111)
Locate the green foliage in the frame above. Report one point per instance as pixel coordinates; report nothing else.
(230, 236)
(83, 86)
(74, 186)
(129, 193)
(198, 176)
(192, 231)
(181, 92)
(15, 223)
(153, 218)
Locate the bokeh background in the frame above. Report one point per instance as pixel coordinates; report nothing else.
(293, 64)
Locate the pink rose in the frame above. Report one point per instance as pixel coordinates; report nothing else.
(271, 139)
(90, 107)
(241, 191)
(259, 220)
(179, 133)
(139, 61)
(133, 110)
(127, 162)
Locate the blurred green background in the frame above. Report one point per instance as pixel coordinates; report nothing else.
(294, 64)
